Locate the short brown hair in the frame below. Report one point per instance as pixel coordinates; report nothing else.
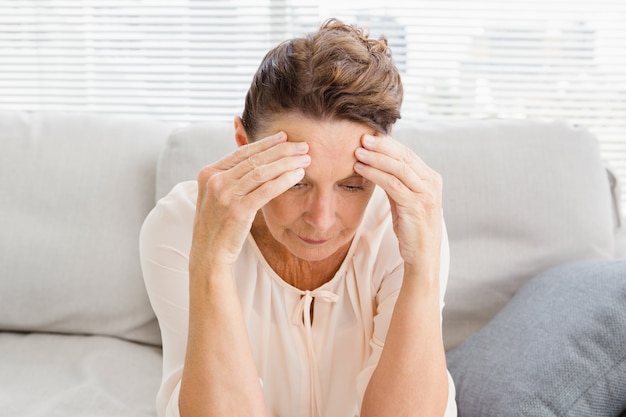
(336, 72)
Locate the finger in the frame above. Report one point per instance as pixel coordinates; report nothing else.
(269, 190)
(257, 163)
(394, 167)
(245, 151)
(258, 176)
(395, 188)
(258, 193)
(394, 149)
(258, 168)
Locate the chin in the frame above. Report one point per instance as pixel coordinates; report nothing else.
(315, 253)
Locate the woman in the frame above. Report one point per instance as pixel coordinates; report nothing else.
(303, 275)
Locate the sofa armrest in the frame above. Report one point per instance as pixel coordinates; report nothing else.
(618, 215)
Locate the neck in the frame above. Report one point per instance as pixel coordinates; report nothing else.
(299, 273)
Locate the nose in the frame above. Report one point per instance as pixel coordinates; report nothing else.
(321, 211)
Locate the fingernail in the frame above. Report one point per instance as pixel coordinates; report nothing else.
(368, 140)
(358, 166)
(305, 160)
(361, 152)
(302, 146)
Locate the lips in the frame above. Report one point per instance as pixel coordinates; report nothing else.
(313, 241)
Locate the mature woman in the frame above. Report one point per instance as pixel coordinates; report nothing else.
(303, 275)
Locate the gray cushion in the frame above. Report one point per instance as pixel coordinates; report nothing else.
(75, 191)
(557, 349)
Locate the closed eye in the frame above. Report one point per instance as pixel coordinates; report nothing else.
(355, 184)
(298, 186)
(353, 188)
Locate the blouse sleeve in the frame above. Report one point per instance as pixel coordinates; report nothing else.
(165, 241)
(386, 297)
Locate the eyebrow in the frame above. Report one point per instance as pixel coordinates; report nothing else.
(353, 175)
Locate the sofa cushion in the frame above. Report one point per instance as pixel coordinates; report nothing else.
(520, 196)
(75, 191)
(50, 375)
(190, 148)
(557, 349)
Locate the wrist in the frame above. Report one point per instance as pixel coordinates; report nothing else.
(422, 277)
(209, 276)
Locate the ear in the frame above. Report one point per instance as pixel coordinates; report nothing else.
(241, 137)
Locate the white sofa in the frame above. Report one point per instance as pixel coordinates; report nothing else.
(77, 333)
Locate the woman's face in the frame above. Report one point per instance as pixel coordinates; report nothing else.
(320, 215)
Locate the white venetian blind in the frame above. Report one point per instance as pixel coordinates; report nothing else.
(190, 61)
(182, 61)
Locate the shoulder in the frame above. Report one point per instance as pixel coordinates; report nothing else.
(178, 202)
(181, 198)
(171, 220)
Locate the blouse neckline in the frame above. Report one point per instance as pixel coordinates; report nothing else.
(330, 283)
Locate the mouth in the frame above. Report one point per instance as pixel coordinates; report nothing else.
(313, 241)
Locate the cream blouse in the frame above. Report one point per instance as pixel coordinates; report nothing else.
(307, 368)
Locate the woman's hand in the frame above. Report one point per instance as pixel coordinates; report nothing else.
(231, 191)
(410, 378)
(414, 191)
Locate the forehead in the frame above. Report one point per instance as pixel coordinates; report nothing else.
(331, 142)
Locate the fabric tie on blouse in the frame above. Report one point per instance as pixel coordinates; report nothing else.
(302, 315)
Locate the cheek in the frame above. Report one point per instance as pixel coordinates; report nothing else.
(353, 209)
(282, 210)
(364, 201)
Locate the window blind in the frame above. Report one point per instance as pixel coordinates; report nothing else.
(191, 61)
(181, 61)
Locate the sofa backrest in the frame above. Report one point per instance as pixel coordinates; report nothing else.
(519, 197)
(75, 189)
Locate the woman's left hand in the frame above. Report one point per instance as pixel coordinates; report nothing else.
(414, 191)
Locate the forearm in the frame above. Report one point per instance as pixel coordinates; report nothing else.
(219, 377)
(411, 378)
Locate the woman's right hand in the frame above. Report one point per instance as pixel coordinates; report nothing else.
(232, 190)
